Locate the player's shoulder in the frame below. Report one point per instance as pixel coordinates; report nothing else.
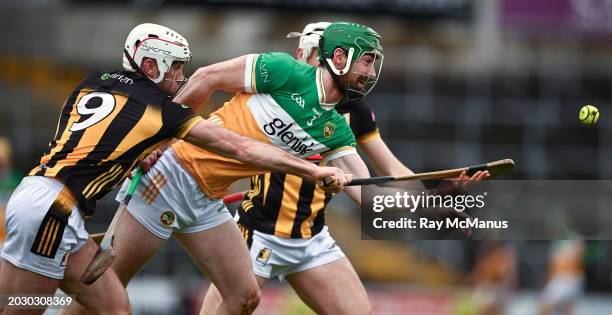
(277, 58)
(284, 63)
(354, 107)
(127, 83)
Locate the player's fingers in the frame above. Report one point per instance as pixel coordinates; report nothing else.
(348, 178)
(475, 176)
(462, 176)
(147, 163)
(481, 176)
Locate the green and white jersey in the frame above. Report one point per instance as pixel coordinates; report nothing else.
(284, 106)
(281, 106)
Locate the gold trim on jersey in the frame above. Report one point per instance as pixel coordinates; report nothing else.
(248, 203)
(187, 126)
(318, 202)
(253, 74)
(332, 152)
(266, 186)
(90, 138)
(374, 134)
(291, 194)
(94, 184)
(153, 123)
(59, 144)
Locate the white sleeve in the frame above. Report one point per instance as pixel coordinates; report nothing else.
(249, 78)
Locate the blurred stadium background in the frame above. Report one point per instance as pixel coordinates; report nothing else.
(464, 81)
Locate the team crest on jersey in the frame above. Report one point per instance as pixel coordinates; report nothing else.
(329, 129)
(264, 255)
(105, 76)
(167, 218)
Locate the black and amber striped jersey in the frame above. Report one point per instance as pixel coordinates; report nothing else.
(109, 123)
(287, 206)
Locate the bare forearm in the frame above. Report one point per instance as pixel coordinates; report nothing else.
(230, 144)
(383, 160)
(275, 159)
(352, 164)
(197, 90)
(225, 76)
(391, 167)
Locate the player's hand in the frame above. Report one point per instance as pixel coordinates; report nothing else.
(150, 160)
(461, 184)
(332, 179)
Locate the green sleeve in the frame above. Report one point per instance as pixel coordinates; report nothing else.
(272, 71)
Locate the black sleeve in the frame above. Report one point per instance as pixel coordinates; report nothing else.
(178, 119)
(360, 116)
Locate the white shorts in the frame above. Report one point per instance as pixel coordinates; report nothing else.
(168, 199)
(43, 227)
(278, 257)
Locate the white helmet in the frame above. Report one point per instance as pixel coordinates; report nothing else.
(156, 42)
(309, 37)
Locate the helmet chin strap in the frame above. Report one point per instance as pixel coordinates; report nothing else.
(344, 71)
(335, 73)
(336, 79)
(133, 63)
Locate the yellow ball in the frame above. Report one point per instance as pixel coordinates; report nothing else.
(589, 115)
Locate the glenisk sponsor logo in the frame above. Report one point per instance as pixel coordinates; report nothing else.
(277, 127)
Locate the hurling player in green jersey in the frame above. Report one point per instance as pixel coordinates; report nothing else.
(283, 218)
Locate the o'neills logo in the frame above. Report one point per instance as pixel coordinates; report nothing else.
(280, 129)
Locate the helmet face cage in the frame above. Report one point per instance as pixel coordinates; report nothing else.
(157, 42)
(370, 78)
(180, 82)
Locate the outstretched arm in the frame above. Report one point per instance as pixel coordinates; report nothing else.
(210, 136)
(225, 76)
